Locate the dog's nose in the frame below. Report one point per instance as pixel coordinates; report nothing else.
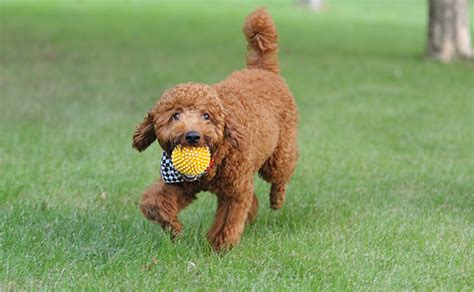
(192, 137)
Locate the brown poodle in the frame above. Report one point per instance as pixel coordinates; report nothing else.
(249, 122)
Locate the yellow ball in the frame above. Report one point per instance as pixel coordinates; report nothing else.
(191, 160)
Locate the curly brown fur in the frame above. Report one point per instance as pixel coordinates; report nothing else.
(250, 127)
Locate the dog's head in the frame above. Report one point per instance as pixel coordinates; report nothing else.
(188, 114)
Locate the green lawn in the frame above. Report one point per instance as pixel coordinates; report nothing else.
(383, 197)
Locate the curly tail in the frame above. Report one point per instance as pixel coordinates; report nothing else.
(262, 38)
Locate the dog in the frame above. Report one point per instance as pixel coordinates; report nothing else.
(248, 121)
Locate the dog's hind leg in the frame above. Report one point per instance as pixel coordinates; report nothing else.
(278, 169)
(252, 215)
(277, 196)
(161, 204)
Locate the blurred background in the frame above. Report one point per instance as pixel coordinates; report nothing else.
(383, 194)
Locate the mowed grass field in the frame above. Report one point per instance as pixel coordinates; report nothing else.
(382, 199)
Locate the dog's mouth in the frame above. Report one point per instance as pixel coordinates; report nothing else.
(179, 141)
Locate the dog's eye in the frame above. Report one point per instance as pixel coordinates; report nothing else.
(205, 116)
(176, 116)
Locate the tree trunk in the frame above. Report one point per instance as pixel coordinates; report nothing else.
(312, 4)
(449, 35)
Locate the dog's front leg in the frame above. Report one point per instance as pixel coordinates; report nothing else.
(162, 202)
(233, 207)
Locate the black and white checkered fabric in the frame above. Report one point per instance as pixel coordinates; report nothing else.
(169, 173)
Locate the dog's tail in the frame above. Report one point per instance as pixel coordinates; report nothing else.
(262, 38)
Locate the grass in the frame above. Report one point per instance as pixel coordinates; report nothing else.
(382, 198)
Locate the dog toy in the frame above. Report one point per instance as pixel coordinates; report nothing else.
(191, 161)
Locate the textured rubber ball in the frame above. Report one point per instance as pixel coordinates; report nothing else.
(191, 160)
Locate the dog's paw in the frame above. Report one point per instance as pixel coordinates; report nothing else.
(276, 205)
(175, 231)
(223, 241)
(276, 202)
(152, 213)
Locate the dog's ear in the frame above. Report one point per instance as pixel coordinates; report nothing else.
(145, 133)
(232, 133)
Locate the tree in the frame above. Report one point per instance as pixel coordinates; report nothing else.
(449, 35)
(312, 4)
